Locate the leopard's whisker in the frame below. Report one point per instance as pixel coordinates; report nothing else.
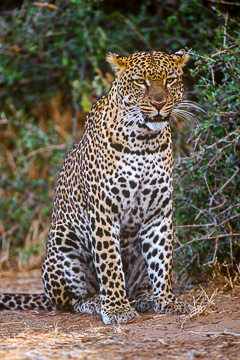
(131, 116)
(123, 115)
(180, 114)
(190, 104)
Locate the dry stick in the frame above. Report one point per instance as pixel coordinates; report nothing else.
(232, 217)
(230, 244)
(224, 332)
(223, 51)
(201, 309)
(236, 58)
(193, 226)
(225, 30)
(230, 207)
(43, 149)
(45, 4)
(206, 238)
(137, 32)
(224, 185)
(235, 132)
(210, 193)
(215, 249)
(226, 114)
(216, 207)
(224, 2)
(203, 57)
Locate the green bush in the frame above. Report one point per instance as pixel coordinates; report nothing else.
(207, 183)
(46, 48)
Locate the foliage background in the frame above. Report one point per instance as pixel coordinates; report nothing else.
(53, 68)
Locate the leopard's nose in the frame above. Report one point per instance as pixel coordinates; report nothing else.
(158, 105)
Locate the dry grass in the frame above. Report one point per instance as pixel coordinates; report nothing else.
(201, 306)
(226, 274)
(72, 345)
(227, 277)
(23, 245)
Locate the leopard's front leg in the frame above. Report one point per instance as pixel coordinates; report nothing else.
(156, 237)
(115, 307)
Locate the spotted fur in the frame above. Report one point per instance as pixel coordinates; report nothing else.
(109, 249)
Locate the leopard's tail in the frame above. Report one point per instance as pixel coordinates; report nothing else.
(9, 301)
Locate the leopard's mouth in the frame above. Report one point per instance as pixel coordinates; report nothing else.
(156, 123)
(157, 118)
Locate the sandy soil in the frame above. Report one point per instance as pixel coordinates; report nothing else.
(31, 335)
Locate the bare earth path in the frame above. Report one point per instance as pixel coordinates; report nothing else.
(29, 335)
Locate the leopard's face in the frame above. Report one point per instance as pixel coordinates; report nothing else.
(149, 85)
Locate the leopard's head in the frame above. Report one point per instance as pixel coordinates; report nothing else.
(149, 85)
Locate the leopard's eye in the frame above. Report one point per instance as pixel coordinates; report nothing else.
(170, 81)
(140, 81)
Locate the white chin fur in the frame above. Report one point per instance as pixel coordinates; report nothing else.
(156, 125)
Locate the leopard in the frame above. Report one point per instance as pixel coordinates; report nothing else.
(110, 244)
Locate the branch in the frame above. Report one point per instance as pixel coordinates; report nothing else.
(223, 51)
(44, 149)
(227, 220)
(193, 226)
(201, 56)
(224, 2)
(218, 333)
(224, 185)
(206, 238)
(137, 32)
(45, 4)
(226, 114)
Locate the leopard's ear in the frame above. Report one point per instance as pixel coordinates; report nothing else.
(180, 58)
(117, 62)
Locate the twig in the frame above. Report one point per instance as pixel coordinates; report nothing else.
(230, 245)
(235, 132)
(206, 238)
(223, 51)
(193, 226)
(225, 30)
(137, 32)
(231, 218)
(201, 309)
(210, 193)
(45, 4)
(224, 2)
(237, 205)
(5, 233)
(217, 207)
(213, 77)
(44, 149)
(226, 114)
(224, 185)
(201, 56)
(218, 333)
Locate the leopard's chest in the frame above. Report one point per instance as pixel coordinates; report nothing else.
(143, 183)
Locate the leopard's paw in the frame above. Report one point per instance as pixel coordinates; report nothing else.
(89, 305)
(143, 302)
(118, 315)
(172, 307)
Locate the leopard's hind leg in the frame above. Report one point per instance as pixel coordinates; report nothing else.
(68, 272)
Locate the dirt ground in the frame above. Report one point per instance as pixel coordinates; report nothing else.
(60, 335)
